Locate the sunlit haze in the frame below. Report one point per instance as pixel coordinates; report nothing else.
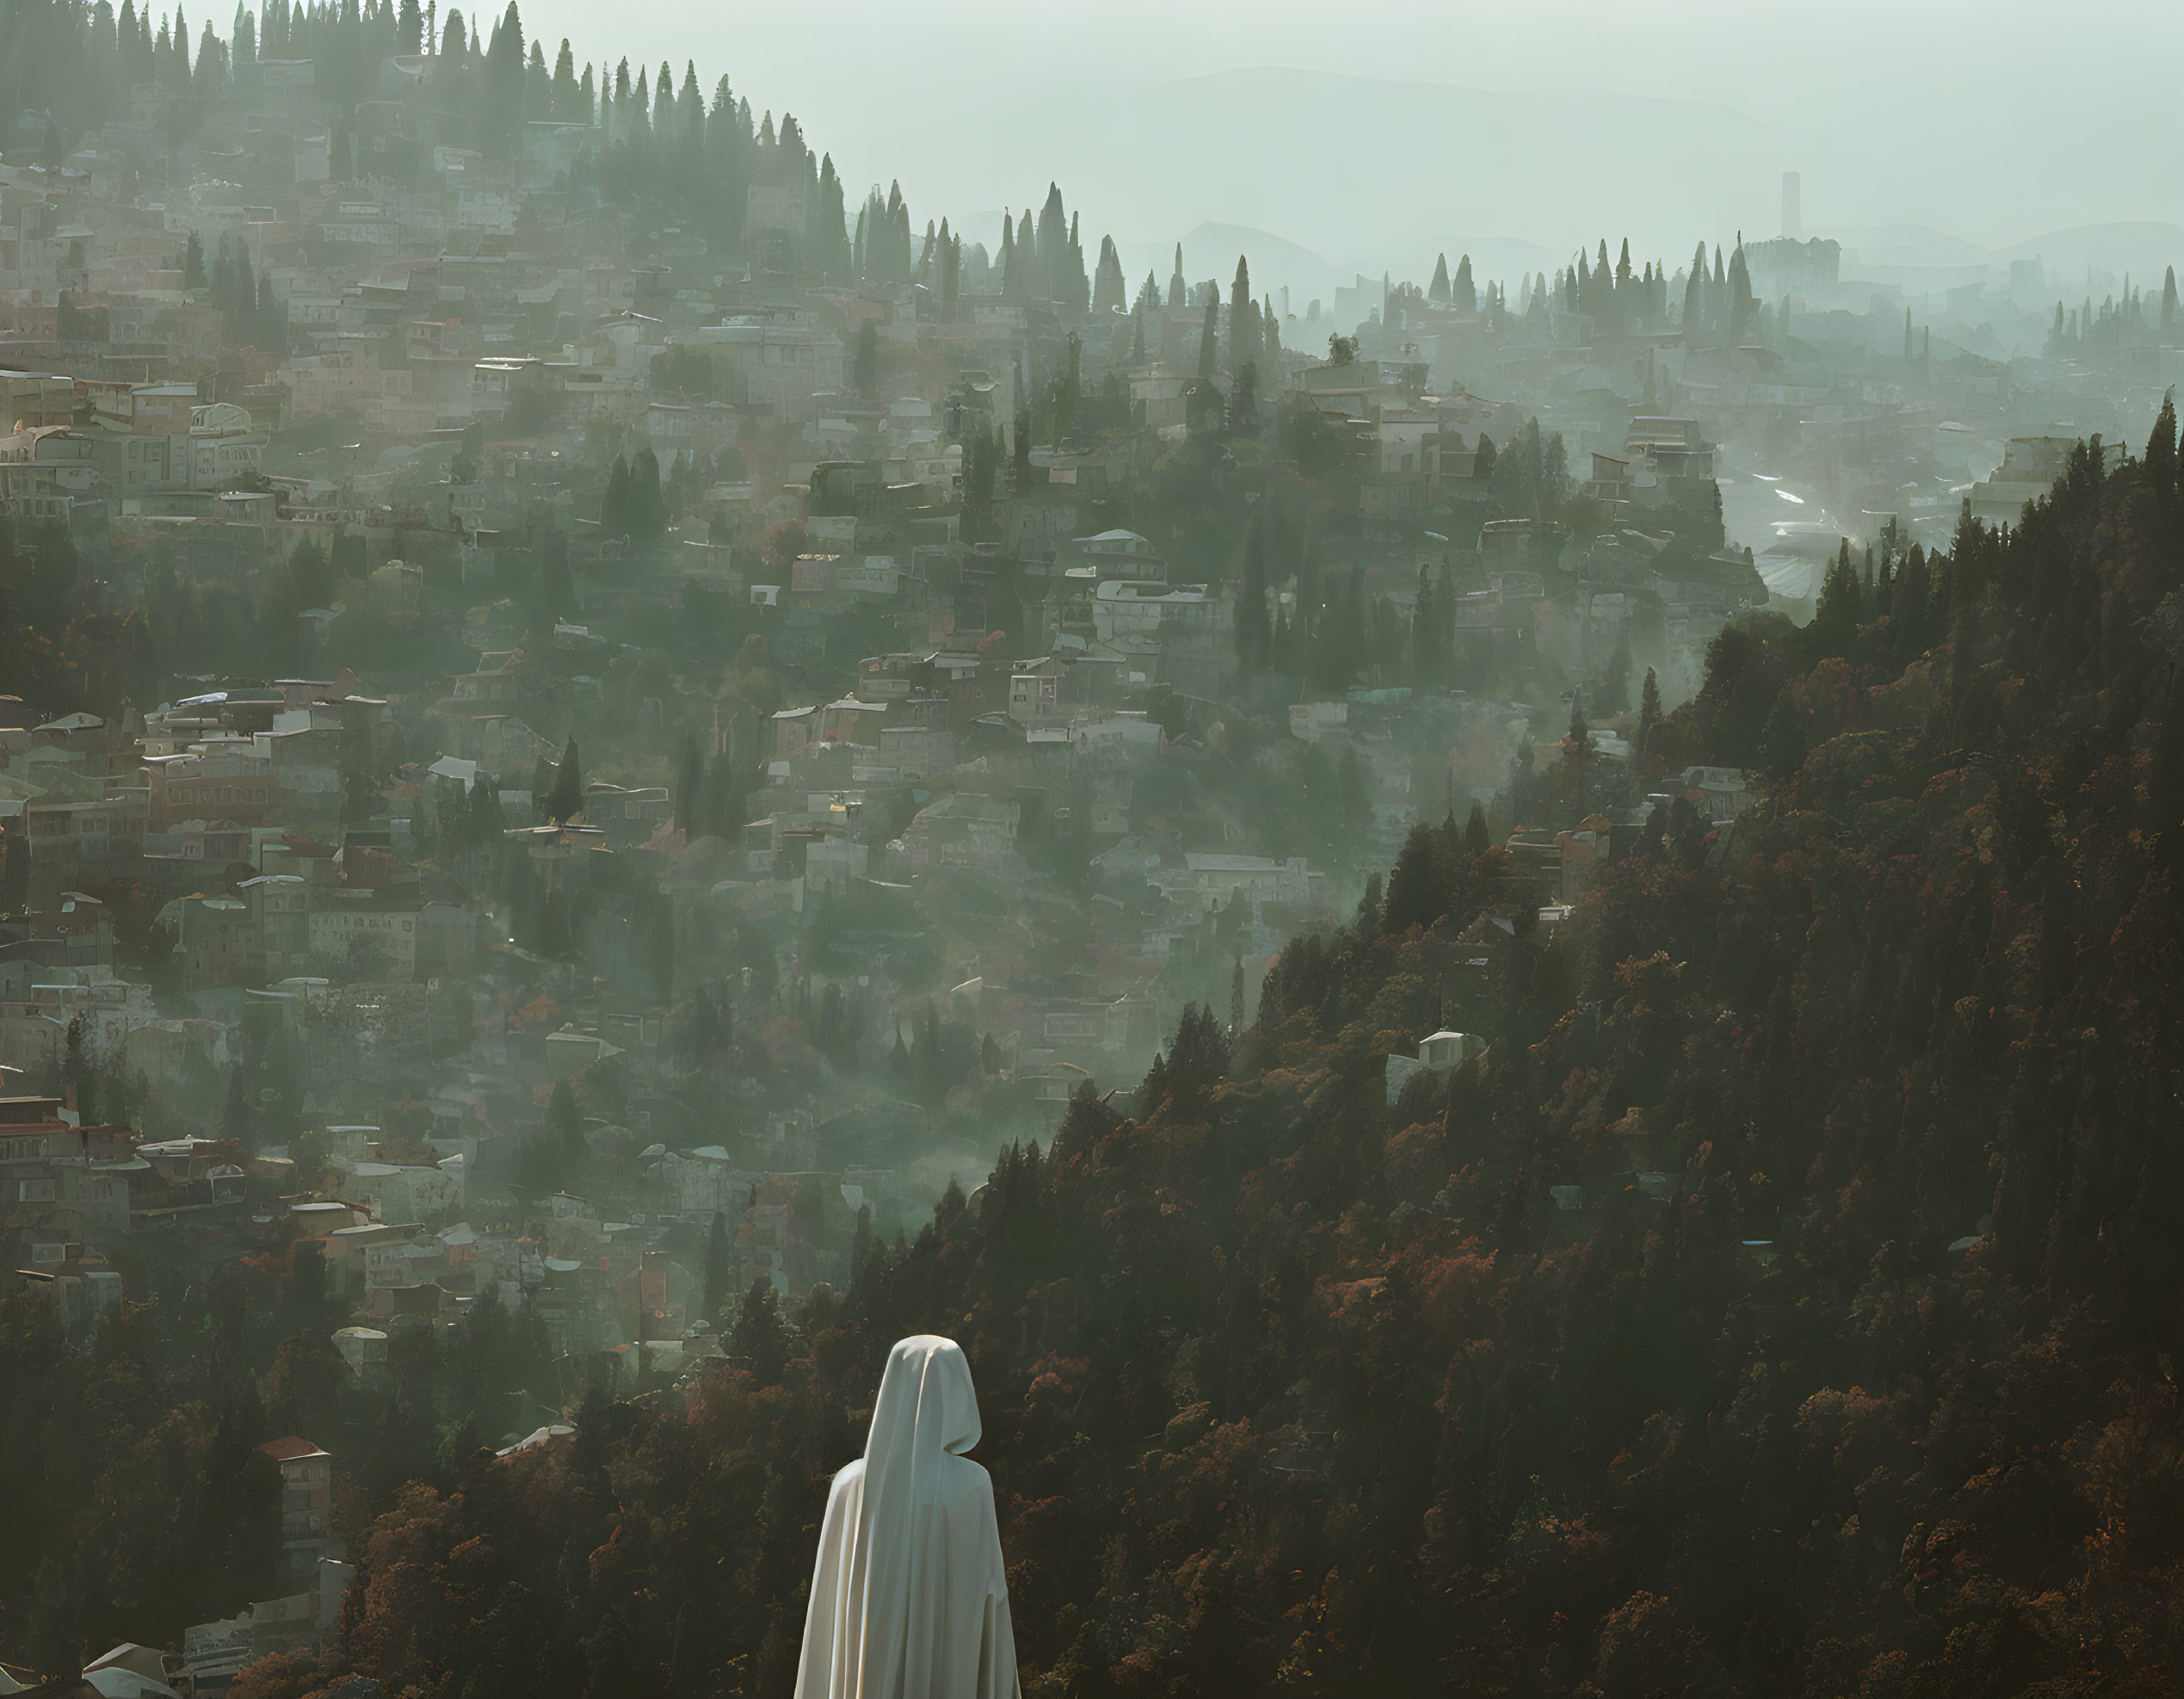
(1128, 850)
(1372, 137)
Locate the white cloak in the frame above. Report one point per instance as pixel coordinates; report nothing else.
(909, 1597)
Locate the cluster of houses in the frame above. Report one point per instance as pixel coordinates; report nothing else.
(833, 556)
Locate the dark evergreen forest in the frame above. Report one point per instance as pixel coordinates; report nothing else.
(1851, 1371)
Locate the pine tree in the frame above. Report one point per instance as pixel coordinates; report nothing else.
(1417, 884)
(760, 1340)
(1841, 606)
(2163, 499)
(1782, 744)
(1438, 289)
(1462, 294)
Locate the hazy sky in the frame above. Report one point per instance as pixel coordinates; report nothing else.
(1995, 123)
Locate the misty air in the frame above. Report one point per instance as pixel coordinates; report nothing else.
(1109, 853)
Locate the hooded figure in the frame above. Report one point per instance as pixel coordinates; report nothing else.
(909, 1597)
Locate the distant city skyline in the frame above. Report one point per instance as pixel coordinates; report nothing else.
(1989, 126)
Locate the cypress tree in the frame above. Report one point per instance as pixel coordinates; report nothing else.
(1243, 342)
(561, 86)
(1424, 658)
(1073, 275)
(1649, 717)
(1478, 839)
(1108, 290)
(563, 1117)
(1049, 280)
(665, 129)
(1841, 606)
(648, 508)
(1744, 306)
(272, 322)
(614, 504)
(833, 235)
(566, 797)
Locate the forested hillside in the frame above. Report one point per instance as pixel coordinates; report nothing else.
(1851, 1374)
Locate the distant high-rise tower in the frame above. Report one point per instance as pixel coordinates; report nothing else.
(1792, 212)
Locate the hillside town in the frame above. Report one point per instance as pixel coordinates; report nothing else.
(594, 724)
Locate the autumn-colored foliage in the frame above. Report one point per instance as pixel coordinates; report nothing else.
(1786, 1302)
(1851, 1374)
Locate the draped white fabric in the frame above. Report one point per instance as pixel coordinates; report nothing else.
(908, 1597)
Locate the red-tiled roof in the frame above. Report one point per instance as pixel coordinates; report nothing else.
(288, 1449)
